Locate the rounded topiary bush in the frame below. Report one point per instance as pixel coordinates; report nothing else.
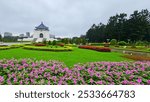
(122, 43)
(113, 42)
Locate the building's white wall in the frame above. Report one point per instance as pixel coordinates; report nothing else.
(37, 34)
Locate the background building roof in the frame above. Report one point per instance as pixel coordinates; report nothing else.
(41, 27)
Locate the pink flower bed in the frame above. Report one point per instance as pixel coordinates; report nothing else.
(29, 72)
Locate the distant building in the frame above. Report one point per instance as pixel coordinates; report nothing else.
(28, 34)
(52, 36)
(40, 34)
(7, 34)
(21, 35)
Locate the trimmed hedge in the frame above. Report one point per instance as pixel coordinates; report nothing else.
(97, 44)
(11, 46)
(71, 45)
(8, 47)
(100, 49)
(47, 48)
(5, 48)
(17, 45)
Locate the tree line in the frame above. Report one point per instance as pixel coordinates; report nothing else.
(134, 28)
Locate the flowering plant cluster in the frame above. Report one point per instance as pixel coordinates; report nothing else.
(61, 44)
(32, 72)
(39, 44)
(96, 48)
(137, 57)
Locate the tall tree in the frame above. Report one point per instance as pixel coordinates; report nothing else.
(138, 25)
(96, 33)
(135, 28)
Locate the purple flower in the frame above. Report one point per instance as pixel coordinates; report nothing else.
(91, 80)
(21, 82)
(143, 69)
(131, 77)
(49, 83)
(128, 72)
(5, 65)
(148, 82)
(15, 80)
(125, 82)
(1, 79)
(99, 82)
(75, 81)
(139, 80)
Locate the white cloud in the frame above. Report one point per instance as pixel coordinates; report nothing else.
(64, 17)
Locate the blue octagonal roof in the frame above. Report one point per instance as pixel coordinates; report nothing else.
(41, 27)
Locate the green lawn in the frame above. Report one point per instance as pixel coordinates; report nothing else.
(69, 58)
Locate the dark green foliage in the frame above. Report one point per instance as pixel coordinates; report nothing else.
(96, 33)
(121, 28)
(49, 43)
(54, 42)
(10, 39)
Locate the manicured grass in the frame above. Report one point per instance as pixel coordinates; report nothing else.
(69, 58)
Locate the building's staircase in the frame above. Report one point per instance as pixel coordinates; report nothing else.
(34, 40)
(39, 40)
(44, 39)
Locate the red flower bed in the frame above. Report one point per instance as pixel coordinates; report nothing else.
(39, 44)
(61, 44)
(100, 49)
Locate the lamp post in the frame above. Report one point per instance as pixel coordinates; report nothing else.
(87, 40)
(107, 40)
(128, 41)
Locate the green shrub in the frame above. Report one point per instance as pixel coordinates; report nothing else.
(122, 43)
(113, 42)
(49, 42)
(54, 42)
(140, 43)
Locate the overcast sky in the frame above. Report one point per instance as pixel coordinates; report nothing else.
(63, 17)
